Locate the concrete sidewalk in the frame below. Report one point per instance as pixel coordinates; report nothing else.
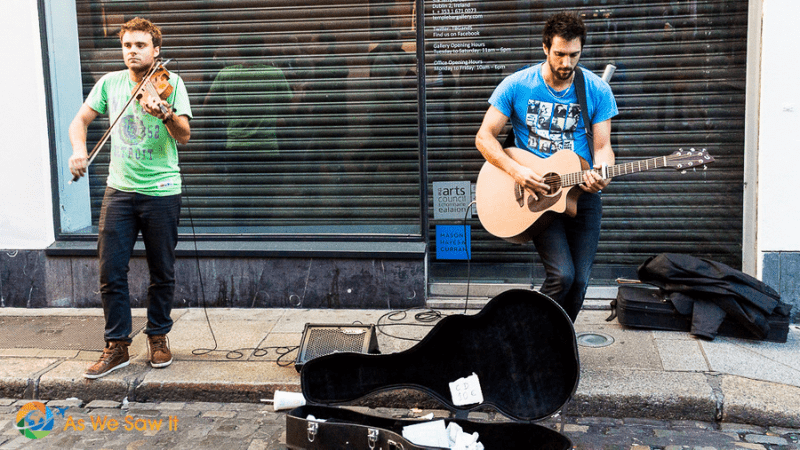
(641, 374)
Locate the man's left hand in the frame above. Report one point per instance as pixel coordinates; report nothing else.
(153, 107)
(593, 181)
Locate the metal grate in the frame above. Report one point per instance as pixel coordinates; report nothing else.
(594, 339)
(57, 332)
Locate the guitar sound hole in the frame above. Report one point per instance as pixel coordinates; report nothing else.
(553, 181)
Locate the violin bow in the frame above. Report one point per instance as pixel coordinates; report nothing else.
(107, 134)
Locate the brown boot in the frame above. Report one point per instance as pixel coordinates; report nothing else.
(115, 356)
(160, 356)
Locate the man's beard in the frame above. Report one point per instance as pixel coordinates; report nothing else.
(560, 74)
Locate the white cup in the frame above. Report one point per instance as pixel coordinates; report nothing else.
(287, 400)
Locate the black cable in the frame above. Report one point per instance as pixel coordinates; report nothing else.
(257, 351)
(281, 351)
(469, 259)
(428, 315)
(425, 316)
(197, 351)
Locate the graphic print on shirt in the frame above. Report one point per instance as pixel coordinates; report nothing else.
(551, 126)
(131, 129)
(133, 133)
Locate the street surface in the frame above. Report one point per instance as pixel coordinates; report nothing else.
(105, 424)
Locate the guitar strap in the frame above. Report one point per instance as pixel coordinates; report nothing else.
(580, 90)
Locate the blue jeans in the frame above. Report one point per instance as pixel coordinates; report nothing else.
(122, 216)
(567, 249)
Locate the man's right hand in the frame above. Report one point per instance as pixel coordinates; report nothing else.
(78, 163)
(493, 151)
(531, 181)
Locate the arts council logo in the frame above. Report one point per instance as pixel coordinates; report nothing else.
(35, 420)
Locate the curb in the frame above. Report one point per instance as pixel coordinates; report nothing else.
(658, 395)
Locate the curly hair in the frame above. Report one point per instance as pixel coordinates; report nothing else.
(139, 24)
(565, 25)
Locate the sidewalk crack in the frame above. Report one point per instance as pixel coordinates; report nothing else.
(717, 395)
(32, 389)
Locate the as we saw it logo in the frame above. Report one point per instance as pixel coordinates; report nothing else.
(34, 420)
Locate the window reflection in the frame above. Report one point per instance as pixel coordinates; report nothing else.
(306, 116)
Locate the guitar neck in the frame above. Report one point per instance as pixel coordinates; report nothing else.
(575, 178)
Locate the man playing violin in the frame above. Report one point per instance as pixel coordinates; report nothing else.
(143, 192)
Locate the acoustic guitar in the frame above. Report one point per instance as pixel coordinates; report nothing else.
(510, 212)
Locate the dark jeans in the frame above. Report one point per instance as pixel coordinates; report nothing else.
(122, 216)
(567, 249)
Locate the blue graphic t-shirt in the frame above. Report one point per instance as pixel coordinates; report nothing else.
(546, 121)
(144, 157)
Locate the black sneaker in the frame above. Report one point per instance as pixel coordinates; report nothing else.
(115, 356)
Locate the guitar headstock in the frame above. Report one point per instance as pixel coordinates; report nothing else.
(689, 159)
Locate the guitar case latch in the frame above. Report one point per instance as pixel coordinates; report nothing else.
(313, 427)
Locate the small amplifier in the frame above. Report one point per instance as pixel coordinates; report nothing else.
(323, 339)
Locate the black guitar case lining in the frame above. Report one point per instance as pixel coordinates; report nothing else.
(521, 346)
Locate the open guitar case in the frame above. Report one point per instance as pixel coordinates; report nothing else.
(521, 346)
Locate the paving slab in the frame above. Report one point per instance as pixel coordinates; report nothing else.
(641, 393)
(767, 361)
(294, 320)
(760, 402)
(190, 340)
(681, 355)
(632, 349)
(17, 374)
(228, 381)
(66, 380)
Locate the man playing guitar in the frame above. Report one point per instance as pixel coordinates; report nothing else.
(543, 106)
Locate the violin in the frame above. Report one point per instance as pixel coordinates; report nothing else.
(155, 84)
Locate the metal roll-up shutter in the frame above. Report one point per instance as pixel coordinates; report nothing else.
(680, 83)
(305, 113)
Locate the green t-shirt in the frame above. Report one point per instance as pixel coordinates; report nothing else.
(252, 96)
(144, 157)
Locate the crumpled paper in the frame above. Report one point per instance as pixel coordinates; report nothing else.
(435, 434)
